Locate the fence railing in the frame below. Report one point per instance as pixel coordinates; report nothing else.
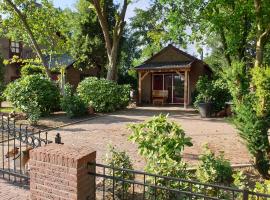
(126, 184)
(15, 144)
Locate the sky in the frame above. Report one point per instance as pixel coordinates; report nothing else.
(143, 4)
(130, 11)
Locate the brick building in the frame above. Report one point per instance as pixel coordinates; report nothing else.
(9, 48)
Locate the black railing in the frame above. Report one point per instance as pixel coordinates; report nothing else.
(126, 184)
(15, 144)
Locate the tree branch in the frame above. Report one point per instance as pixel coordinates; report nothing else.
(30, 34)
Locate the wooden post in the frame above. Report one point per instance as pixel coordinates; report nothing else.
(140, 88)
(189, 97)
(186, 90)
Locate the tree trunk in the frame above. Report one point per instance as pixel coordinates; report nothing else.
(259, 52)
(31, 36)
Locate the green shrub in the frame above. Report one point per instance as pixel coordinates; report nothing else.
(252, 108)
(119, 159)
(72, 104)
(34, 91)
(104, 95)
(215, 91)
(161, 143)
(263, 188)
(214, 169)
(32, 70)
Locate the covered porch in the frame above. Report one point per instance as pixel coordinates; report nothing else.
(170, 86)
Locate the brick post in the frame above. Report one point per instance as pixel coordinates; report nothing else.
(60, 172)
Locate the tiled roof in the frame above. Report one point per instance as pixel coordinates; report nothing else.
(60, 60)
(164, 65)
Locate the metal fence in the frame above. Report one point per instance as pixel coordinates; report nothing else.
(15, 144)
(125, 184)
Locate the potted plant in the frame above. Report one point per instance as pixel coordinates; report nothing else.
(204, 98)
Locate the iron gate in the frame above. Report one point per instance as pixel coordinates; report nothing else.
(15, 144)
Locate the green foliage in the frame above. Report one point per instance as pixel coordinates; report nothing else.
(72, 104)
(251, 106)
(32, 70)
(119, 159)
(263, 188)
(214, 91)
(104, 95)
(44, 20)
(34, 95)
(161, 143)
(84, 34)
(214, 169)
(2, 76)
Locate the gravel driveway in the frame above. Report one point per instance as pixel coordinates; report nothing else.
(112, 129)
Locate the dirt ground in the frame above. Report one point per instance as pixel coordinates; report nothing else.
(112, 129)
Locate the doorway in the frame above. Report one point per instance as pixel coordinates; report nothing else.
(172, 83)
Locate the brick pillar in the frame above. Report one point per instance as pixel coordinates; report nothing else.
(60, 172)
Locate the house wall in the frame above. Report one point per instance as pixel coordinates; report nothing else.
(170, 56)
(12, 70)
(197, 69)
(75, 76)
(147, 89)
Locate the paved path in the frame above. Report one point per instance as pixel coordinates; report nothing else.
(112, 129)
(11, 192)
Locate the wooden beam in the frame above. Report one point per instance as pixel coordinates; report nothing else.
(146, 73)
(186, 90)
(188, 82)
(140, 88)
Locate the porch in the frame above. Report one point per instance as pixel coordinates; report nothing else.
(164, 87)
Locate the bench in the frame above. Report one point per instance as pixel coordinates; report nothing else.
(159, 97)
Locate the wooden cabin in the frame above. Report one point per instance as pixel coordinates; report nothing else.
(169, 77)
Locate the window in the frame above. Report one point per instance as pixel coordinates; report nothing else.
(15, 47)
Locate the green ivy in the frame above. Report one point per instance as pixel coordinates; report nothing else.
(30, 69)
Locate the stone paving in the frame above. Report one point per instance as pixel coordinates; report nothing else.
(10, 192)
(112, 129)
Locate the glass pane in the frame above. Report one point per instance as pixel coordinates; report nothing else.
(168, 87)
(17, 44)
(17, 50)
(178, 94)
(158, 82)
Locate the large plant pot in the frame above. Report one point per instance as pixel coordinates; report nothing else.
(205, 109)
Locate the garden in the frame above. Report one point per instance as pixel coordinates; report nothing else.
(232, 38)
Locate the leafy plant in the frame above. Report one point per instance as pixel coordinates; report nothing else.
(103, 95)
(33, 92)
(250, 90)
(263, 188)
(72, 104)
(161, 143)
(119, 159)
(213, 91)
(32, 70)
(214, 169)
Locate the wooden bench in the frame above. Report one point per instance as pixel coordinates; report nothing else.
(159, 97)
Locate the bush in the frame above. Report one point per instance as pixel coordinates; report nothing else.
(161, 143)
(72, 104)
(32, 70)
(215, 91)
(34, 91)
(214, 169)
(119, 159)
(252, 108)
(263, 188)
(104, 95)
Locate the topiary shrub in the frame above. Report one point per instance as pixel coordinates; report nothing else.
(72, 104)
(34, 91)
(103, 95)
(32, 70)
